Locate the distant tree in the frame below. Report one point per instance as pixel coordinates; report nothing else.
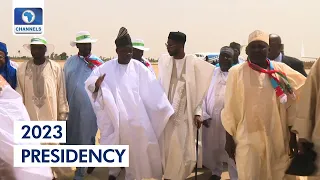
(308, 64)
(152, 60)
(52, 56)
(63, 56)
(56, 57)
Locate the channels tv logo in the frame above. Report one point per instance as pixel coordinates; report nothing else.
(28, 21)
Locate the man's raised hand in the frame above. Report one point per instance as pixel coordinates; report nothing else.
(98, 83)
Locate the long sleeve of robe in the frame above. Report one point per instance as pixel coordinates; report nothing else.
(232, 111)
(132, 109)
(205, 114)
(63, 107)
(258, 122)
(307, 122)
(198, 110)
(12, 109)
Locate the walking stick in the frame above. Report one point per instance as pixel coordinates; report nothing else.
(197, 148)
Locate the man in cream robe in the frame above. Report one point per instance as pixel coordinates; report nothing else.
(256, 117)
(213, 133)
(41, 84)
(185, 80)
(307, 123)
(131, 108)
(12, 109)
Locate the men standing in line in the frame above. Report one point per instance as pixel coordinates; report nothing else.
(275, 54)
(307, 122)
(41, 84)
(132, 109)
(214, 135)
(138, 50)
(258, 118)
(82, 123)
(185, 80)
(11, 110)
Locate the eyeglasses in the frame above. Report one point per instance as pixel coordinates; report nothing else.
(2, 57)
(170, 46)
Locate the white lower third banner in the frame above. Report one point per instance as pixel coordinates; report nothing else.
(71, 156)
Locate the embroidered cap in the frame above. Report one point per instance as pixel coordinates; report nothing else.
(227, 50)
(123, 39)
(258, 35)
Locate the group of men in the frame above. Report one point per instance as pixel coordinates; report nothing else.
(248, 108)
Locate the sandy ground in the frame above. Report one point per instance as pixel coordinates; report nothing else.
(102, 173)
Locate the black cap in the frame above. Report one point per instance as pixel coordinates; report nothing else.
(178, 37)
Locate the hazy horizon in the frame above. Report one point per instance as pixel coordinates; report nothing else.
(208, 24)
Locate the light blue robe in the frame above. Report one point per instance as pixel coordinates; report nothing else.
(82, 121)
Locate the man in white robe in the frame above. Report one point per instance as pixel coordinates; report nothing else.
(213, 133)
(260, 106)
(12, 109)
(131, 108)
(185, 79)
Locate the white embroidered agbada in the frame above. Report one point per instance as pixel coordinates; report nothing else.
(185, 81)
(258, 122)
(12, 109)
(214, 137)
(42, 88)
(132, 109)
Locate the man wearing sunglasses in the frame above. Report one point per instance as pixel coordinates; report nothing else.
(185, 79)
